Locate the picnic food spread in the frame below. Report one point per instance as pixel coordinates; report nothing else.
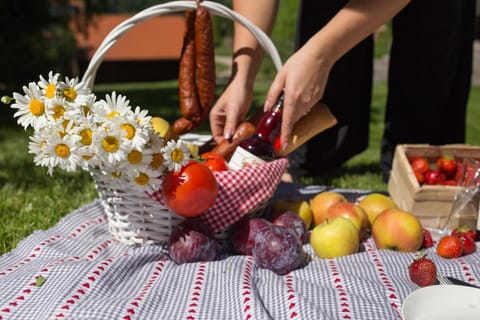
(211, 212)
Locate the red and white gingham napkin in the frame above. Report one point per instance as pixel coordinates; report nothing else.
(240, 192)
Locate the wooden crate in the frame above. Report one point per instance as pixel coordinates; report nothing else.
(430, 203)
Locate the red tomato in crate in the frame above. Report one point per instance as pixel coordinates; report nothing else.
(214, 161)
(191, 190)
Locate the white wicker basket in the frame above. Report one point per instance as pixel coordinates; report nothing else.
(133, 217)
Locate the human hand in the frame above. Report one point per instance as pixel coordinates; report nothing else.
(303, 78)
(229, 110)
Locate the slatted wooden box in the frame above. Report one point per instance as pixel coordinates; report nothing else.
(430, 203)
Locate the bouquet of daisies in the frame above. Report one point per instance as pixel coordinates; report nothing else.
(72, 129)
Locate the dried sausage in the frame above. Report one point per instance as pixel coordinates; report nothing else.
(205, 59)
(186, 76)
(226, 147)
(196, 77)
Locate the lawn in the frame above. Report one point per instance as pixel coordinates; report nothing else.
(30, 200)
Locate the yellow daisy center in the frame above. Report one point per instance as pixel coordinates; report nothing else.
(142, 179)
(110, 144)
(177, 155)
(86, 137)
(134, 157)
(87, 157)
(157, 160)
(113, 114)
(69, 93)
(62, 150)
(58, 111)
(50, 90)
(85, 110)
(116, 175)
(129, 130)
(37, 107)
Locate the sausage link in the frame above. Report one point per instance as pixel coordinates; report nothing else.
(184, 125)
(205, 60)
(226, 147)
(186, 77)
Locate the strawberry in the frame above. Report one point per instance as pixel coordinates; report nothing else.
(427, 239)
(423, 271)
(419, 164)
(449, 167)
(468, 244)
(464, 230)
(450, 247)
(433, 177)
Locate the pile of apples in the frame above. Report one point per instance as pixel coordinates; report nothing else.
(340, 226)
(443, 171)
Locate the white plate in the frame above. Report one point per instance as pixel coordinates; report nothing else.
(442, 302)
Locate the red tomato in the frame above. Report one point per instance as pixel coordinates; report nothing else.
(214, 161)
(190, 191)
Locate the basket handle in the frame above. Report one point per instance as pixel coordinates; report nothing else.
(172, 7)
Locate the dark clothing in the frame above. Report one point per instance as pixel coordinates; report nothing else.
(348, 94)
(429, 81)
(429, 75)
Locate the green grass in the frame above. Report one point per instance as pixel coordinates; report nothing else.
(31, 200)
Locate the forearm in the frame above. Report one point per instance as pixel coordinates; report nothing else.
(352, 24)
(248, 54)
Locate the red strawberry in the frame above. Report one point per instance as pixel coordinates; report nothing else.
(450, 247)
(434, 177)
(422, 271)
(468, 244)
(419, 164)
(427, 239)
(449, 167)
(464, 230)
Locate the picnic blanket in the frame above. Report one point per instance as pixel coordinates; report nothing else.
(76, 270)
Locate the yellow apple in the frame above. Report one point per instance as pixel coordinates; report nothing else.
(397, 230)
(163, 128)
(335, 238)
(374, 204)
(301, 207)
(352, 212)
(320, 203)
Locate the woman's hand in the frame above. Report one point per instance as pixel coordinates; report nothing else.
(230, 109)
(303, 79)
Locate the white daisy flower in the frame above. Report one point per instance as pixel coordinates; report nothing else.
(73, 90)
(36, 146)
(57, 108)
(31, 107)
(113, 106)
(176, 154)
(79, 111)
(111, 145)
(145, 180)
(136, 135)
(142, 118)
(156, 146)
(49, 86)
(62, 151)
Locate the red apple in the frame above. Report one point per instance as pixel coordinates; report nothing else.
(374, 204)
(352, 212)
(321, 202)
(397, 230)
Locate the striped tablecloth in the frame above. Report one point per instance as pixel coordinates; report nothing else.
(75, 270)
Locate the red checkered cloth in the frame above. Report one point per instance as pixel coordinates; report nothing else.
(240, 192)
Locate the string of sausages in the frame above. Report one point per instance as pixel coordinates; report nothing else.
(196, 78)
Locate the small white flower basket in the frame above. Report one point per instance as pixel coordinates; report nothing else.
(136, 215)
